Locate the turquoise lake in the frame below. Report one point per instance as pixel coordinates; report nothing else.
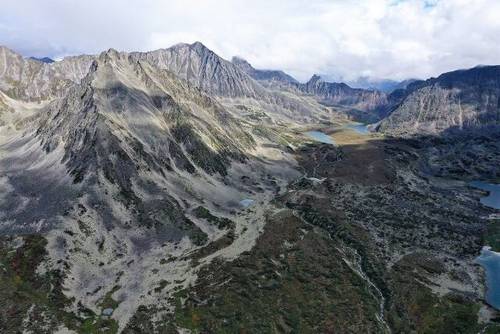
(488, 259)
(493, 199)
(321, 137)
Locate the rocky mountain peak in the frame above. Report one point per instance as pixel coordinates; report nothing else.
(111, 54)
(242, 63)
(202, 67)
(197, 47)
(200, 46)
(10, 58)
(314, 79)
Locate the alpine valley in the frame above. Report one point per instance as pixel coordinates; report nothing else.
(174, 191)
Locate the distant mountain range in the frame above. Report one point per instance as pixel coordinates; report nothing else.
(464, 99)
(361, 104)
(384, 85)
(366, 83)
(468, 103)
(262, 75)
(46, 60)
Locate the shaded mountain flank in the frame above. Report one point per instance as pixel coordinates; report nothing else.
(460, 100)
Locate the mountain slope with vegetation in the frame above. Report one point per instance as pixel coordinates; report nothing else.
(173, 191)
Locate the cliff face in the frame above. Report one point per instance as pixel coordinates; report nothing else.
(33, 80)
(360, 104)
(202, 67)
(263, 75)
(459, 100)
(342, 94)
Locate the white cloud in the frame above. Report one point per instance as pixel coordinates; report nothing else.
(342, 38)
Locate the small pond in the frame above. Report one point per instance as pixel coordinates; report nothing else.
(493, 199)
(321, 137)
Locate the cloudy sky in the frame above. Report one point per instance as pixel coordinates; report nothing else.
(395, 39)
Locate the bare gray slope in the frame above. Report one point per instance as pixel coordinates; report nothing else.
(152, 106)
(32, 80)
(460, 100)
(204, 69)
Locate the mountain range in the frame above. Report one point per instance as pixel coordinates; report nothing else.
(384, 85)
(469, 97)
(464, 100)
(173, 191)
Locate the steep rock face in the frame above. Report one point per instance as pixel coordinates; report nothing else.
(204, 69)
(341, 94)
(262, 75)
(218, 77)
(4, 109)
(384, 85)
(459, 100)
(147, 109)
(33, 80)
